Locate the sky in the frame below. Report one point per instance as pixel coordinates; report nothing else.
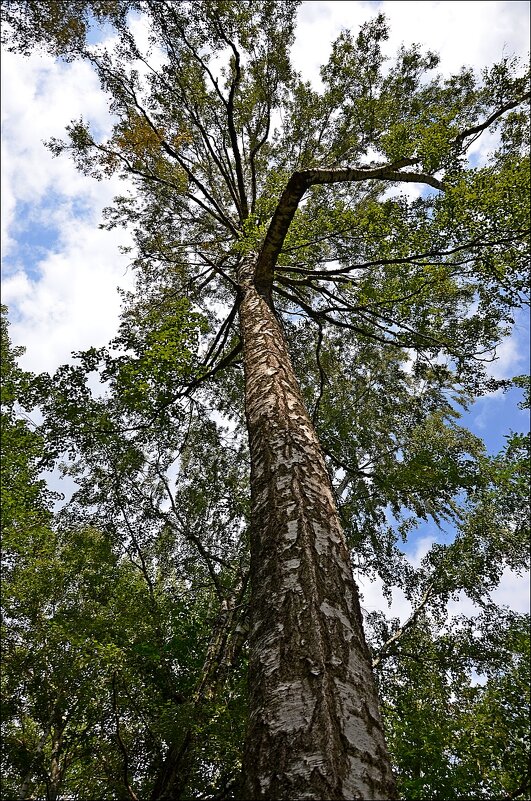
(60, 272)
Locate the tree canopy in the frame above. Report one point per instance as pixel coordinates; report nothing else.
(127, 611)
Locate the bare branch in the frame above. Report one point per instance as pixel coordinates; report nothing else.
(415, 259)
(225, 362)
(295, 189)
(243, 206)
(319, 314)
(323, 378)
(207, 556)
(383, 652)
(478, 129)
(223, 333)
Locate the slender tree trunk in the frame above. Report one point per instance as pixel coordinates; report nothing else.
(56, 769)
(27, 782)
(173, 775)
(314, 730)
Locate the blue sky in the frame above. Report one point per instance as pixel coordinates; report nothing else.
(60, 272)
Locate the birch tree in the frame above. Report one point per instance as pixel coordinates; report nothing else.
(269, 221)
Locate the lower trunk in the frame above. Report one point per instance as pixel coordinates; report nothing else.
(315, 729)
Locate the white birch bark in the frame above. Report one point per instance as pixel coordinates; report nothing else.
(315, 729)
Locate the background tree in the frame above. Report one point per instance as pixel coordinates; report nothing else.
(384, 292)
(113, 643)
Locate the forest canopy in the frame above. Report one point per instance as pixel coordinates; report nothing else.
(302, 330)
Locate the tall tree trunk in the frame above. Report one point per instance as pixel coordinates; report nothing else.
(315, 729)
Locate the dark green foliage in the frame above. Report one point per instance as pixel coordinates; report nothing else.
(452, 738)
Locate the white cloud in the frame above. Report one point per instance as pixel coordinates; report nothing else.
(153, 55)
(318, 25)
(74, 304)
(65, 299)
(8, 206)
(464, 33)
(372, 592)
(39, 98)
(513, 591)
(372, 599)
(511, 357)
(473, 34)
